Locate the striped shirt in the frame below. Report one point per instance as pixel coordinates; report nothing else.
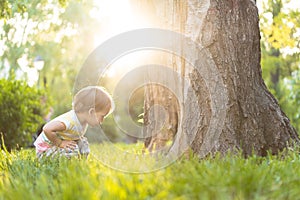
(74, 131)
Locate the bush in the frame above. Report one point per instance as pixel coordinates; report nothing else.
(21, 111)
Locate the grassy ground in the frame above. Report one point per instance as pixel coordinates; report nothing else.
(230, 177)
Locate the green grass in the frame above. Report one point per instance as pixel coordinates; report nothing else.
(22, 176)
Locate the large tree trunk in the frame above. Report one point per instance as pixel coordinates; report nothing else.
(229, 33)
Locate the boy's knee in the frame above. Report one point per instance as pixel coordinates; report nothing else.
(83, 146)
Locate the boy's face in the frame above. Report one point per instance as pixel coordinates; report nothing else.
(97, 117)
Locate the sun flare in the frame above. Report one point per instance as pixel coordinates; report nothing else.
(116, 16)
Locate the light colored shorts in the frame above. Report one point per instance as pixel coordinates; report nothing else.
(82, 149)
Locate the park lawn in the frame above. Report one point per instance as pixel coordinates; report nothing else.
(229, 177)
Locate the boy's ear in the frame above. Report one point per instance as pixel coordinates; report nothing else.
(92, 111)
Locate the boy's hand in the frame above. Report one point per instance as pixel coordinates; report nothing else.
(68, 144)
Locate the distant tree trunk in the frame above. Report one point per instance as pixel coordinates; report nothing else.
(175, 14)
(229, 32)
(276, 73)
(161, 133)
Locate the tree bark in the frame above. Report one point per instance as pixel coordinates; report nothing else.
(228, 31)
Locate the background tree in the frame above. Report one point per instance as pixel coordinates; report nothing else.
(48, 31)
(58, 31)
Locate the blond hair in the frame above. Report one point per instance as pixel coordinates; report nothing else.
(92, 97)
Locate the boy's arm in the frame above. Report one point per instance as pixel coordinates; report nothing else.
(50, 130)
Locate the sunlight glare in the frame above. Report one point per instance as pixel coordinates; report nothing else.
(116, 16)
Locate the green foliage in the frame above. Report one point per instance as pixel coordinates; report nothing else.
(291, 103)
(229, 177)
(9, 7)
(50, 31)
(21, 111)
(4, 11)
